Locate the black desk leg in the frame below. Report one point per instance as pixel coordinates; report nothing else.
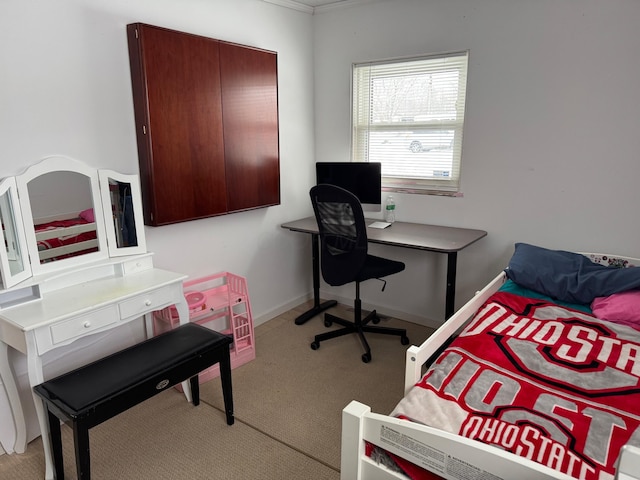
(317, 306)
(452, 258)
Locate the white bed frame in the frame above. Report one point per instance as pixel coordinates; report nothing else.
(64, 232)
(453, 457)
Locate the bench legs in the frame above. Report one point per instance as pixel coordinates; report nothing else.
(81, 444)
(195, 390)
(225, 378)
(92, 394)
(81, 430)
(56, 443)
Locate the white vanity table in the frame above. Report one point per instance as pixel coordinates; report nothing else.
(49, 300)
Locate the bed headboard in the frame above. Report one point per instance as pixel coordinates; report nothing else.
(612, 260)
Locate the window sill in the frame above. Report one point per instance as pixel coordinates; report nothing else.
(422, 191)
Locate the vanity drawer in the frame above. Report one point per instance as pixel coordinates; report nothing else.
(83, 324)
(147, 302)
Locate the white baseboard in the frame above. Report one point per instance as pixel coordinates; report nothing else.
(280, 309)
(384, 310)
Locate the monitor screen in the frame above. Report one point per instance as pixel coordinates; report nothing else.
(363, 179)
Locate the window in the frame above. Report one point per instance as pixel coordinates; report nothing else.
(408, 114)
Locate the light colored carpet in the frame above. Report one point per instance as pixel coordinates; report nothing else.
(297, 394)
(288, 404)
(167, 438)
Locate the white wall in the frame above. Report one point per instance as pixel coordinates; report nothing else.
(551, 144)
(66, 89)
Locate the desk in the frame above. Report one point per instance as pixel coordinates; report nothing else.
(432, 238)
(104, 300)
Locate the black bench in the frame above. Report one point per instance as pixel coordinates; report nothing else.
(101, 390)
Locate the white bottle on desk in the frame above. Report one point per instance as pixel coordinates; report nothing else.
(390, 210)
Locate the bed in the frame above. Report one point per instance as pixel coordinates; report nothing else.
(68, 236)
(536, 377)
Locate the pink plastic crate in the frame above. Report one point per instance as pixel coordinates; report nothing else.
(220, 302)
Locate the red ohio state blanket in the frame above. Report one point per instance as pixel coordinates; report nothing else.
(548, 383)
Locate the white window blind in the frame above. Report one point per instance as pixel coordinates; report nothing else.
(408, 114)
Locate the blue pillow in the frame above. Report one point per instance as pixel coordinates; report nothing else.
(567, 276)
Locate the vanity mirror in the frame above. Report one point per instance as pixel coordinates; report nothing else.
(61, 213)
(121, 198)
(14, 263)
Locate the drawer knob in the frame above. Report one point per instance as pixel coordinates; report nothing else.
(87, 324)
(148, 303)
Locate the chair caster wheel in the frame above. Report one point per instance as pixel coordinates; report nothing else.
(404, 340)
(315, 345)
(328, 323)
(375, 320)
(366, 357)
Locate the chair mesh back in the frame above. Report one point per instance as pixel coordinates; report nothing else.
(338, 223)
(342, 230)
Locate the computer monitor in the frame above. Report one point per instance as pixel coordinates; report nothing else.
(363, 179)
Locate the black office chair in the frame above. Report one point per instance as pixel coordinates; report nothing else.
(344, 259)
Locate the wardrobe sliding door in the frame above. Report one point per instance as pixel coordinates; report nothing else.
(250, 106)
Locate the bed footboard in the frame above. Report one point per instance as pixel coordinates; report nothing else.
(629, 466)
(453, 457)
(355, 465)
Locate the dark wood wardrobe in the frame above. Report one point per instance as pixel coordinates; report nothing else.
(206, 115)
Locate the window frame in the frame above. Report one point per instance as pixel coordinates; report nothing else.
(363, 74)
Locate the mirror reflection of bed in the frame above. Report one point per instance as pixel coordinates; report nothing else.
(63, 213)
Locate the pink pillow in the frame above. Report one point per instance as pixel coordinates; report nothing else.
(88, 215)
(620, 308)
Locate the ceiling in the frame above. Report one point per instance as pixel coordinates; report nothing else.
(318, 3)
(311, 6)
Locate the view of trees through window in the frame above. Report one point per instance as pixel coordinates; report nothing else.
(424, 96)
(409, 117)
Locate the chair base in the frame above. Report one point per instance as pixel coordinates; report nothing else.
(359, 327)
